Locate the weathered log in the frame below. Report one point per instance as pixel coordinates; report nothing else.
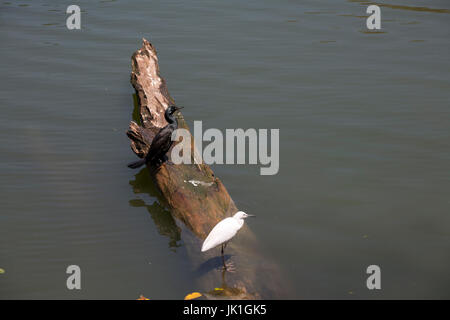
(196, 198)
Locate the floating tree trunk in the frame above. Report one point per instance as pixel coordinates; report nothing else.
(196, 198)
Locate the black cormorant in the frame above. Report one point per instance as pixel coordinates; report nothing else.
(161, 142)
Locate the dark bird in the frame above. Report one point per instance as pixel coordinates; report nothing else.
(161, 142)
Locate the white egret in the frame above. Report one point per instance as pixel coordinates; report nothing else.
(223, 232)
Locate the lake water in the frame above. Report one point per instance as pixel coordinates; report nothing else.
(364, 143)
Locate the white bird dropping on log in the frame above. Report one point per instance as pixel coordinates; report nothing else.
(223, 232)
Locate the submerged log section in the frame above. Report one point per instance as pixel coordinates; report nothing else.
(195, 196)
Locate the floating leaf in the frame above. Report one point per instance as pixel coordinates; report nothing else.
(2, 270)
(142, 298)
(217, 289)
(193, 295)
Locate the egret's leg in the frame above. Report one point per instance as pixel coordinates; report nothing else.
(226, 266)
(223, 258)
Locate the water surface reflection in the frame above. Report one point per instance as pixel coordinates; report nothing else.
(164, 222)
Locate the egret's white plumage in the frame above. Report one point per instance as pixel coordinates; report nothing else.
(224, 231)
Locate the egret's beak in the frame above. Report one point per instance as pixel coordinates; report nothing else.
(250, 216)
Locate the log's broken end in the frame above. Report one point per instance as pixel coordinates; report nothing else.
(153, 96)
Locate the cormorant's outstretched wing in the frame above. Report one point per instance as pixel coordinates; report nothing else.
(161, 144)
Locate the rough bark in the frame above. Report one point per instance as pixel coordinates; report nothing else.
(196, 198)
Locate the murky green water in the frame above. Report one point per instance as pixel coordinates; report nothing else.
(364, 125)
